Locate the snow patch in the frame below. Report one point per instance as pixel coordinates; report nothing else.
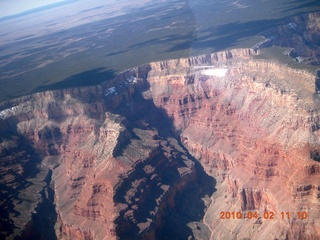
(8, 113)
(132, 80)
(292, 25)
(217, 72)
(111, 91)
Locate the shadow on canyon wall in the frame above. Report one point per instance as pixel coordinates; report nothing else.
(13, 194)
(181, 206)
(186, 217)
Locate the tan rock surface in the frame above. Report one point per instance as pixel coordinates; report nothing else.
(115, 166)
(254, 130)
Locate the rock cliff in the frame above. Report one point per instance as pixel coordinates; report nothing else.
(255, 129)
(301, 34)
(105, 154)
(121, 159)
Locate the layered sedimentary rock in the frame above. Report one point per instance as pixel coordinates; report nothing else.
(301, 33)
(102, 159)
(122, 159)
(256, 130)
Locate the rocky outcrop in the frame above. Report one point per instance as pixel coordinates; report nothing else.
(301, 33)
(122, 156)
(116, 168)
(254, 129)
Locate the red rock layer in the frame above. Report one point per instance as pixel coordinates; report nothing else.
(108, 159)
(118, 171)
(254, 129)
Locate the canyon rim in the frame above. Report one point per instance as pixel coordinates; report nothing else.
(166, 149)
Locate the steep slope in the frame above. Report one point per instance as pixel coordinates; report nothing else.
(114, 167)
(301, 33)
(252, 124)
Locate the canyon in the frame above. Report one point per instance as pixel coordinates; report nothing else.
(162, 149)
(300, 34)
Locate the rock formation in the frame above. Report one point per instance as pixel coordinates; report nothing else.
(255, 130)
(301, 33)
(137, 157)
(104, 161)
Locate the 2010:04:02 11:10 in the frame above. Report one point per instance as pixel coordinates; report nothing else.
(266, 215)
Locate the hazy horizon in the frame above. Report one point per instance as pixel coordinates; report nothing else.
(10, 8)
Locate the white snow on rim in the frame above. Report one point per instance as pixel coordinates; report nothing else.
(8, 113)
(217, 72)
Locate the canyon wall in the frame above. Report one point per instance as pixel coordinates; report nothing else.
(255, 129)
(301, 33)
(121, 159)
(104, 153)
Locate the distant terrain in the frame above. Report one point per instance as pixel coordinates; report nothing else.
(84, 43)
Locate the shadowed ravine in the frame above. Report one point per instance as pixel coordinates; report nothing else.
(166, 159)
(183, 197)
(44, 217)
